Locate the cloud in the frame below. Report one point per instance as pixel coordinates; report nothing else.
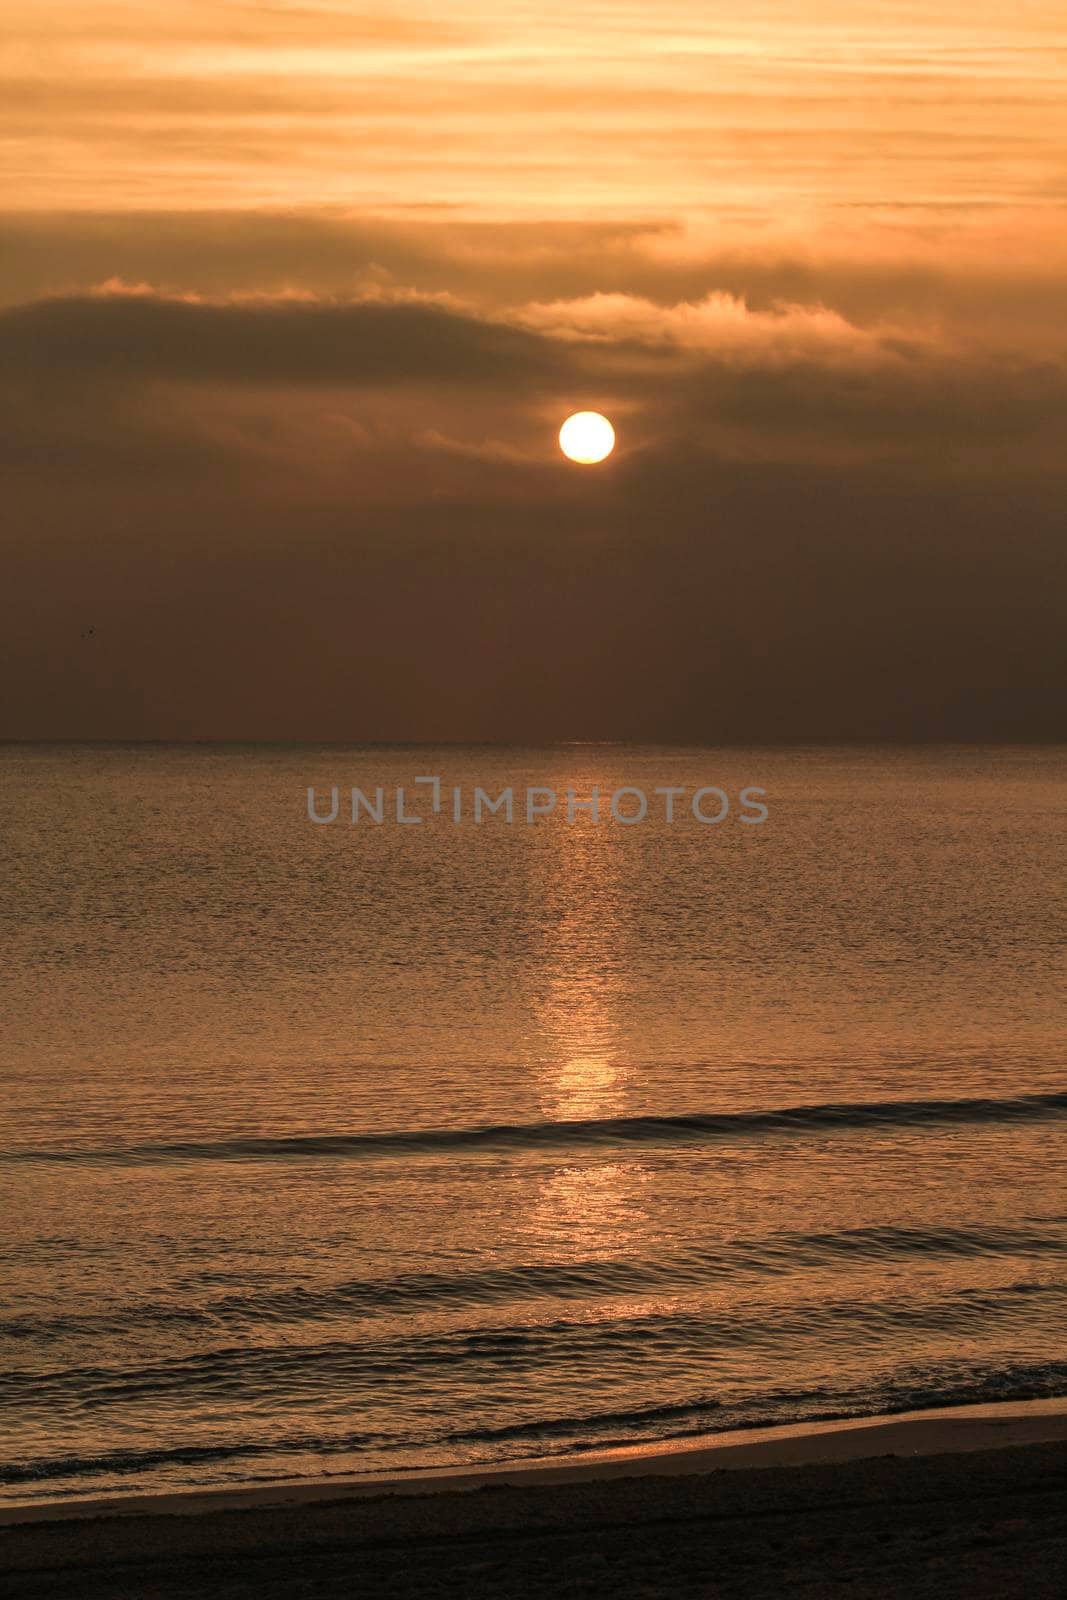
(333, 519)
(420, 372)
(721, 324)
(132, 333)
(536, 111)
(999, 283)
(300, 462)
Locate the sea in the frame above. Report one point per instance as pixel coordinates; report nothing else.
(332, 1148)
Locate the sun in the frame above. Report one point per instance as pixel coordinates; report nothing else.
(587, 437)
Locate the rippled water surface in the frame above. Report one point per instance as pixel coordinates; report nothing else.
(332, 1148)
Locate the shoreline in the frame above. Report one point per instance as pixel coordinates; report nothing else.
(950, 1430)
(968, 1524)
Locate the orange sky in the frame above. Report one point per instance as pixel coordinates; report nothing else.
(766, 113)
(294, 297)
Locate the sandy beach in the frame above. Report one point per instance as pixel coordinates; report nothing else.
(971, 1502)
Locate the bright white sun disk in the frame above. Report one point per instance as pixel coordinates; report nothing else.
(587, 437)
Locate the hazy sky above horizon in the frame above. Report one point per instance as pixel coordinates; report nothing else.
(294, 297)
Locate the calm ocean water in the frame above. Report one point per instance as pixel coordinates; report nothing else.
(330, 1149)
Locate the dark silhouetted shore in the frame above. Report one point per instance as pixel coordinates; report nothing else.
(970, 1523)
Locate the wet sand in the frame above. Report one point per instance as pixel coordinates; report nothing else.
(967, 1503)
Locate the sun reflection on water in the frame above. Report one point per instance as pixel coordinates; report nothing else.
(587, 1208)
